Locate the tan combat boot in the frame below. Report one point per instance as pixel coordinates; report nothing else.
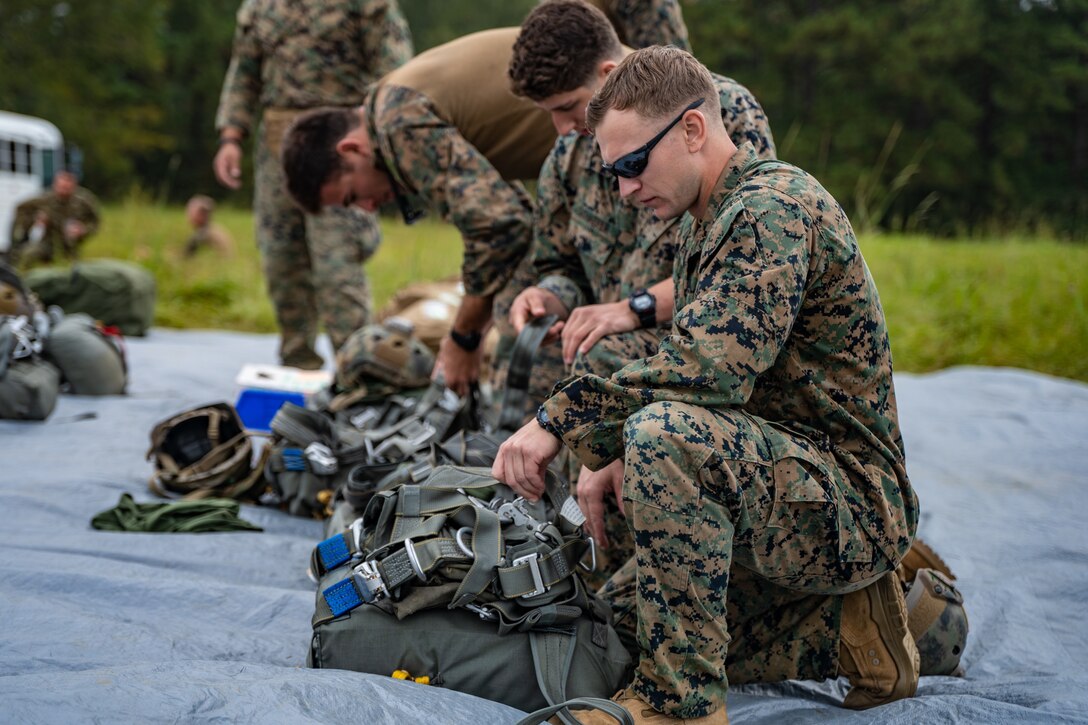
(876, 651)
(643, 714)
(921, 556)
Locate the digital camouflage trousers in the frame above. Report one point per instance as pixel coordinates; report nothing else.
(742, 555)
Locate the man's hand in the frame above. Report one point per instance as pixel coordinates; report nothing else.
(593, 486)
(536, 302)
(74, 230)
(457, 367)
(589, 323)
(228, 165)
(524, 457)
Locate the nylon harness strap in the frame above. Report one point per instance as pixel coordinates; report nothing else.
(620, 713)
(521, 368)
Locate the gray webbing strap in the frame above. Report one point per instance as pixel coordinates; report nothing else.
(579, 703)
(424, 557)
(300, 426)
(547, 569)
(553, 652)
(521, 368)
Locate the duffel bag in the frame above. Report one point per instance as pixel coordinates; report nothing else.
(91, 361)
(119, 293)
(29, 385)
(460, 581)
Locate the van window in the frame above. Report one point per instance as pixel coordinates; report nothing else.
(17, 158)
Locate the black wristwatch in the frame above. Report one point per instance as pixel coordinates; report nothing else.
(467, 341)
(545, 422)
(644, 305)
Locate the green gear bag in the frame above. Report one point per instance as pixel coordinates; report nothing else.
(29, 385)
(90, 361)
(28, 390)
(460, 580)
(116, 292)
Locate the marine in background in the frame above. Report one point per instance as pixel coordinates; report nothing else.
(54, 226)
(206, 233)
(642, 23)
(289, 57)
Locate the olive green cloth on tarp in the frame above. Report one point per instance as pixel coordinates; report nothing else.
(186, 517)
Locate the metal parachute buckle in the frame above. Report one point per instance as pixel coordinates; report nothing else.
(369, 582)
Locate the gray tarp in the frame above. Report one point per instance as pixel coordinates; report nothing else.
(117, 627)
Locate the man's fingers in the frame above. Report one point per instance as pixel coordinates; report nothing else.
(591, 339)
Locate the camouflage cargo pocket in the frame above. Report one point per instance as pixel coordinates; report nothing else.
(810, 517)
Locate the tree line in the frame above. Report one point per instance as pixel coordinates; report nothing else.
(921, 115)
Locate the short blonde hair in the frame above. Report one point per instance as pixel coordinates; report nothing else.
(200, 201)
(654, 82)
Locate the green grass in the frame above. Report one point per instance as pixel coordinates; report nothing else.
(1012, 302)
(1009, 302)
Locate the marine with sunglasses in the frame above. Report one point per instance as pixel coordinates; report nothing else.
(601, 263)
(763, 473)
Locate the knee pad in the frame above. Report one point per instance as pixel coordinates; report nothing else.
(938, 622)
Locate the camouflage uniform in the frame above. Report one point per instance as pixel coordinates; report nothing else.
(763, 434)
(642, 23)
(81, 206)
(289, 57)
(457, 142)
(592, 246)
(212, 236)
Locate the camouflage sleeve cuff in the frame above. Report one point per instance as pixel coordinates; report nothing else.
(565, 289)
(589, 420)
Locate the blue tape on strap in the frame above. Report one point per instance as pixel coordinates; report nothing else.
(294, 459)
(333, 552)
(342, 597)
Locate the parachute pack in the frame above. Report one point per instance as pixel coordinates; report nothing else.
(458, 580)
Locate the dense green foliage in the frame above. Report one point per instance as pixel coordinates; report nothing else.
(931, 114)
(950, 117)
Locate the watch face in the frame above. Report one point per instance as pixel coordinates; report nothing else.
(642, 303)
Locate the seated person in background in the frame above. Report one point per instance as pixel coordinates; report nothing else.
(206, 233)
(757, 453)
(53, 226)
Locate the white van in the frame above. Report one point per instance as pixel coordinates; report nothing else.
(31, 151)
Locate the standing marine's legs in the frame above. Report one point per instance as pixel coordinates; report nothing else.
(340, 241)
(285, 257)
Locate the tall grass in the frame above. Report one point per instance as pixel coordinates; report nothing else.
(1009, 302)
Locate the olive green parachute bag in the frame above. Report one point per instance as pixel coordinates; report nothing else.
(91, 360)
(119, 293)
(460, 581)
(29, 385)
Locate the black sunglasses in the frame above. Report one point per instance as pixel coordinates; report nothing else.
(631, 165)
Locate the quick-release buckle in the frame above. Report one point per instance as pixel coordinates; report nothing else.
(511, 512)
(533, 560)
(321, 459)
(366, 419)
(368, 580)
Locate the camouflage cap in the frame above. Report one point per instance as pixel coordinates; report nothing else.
(938, 622)
(384, 357)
